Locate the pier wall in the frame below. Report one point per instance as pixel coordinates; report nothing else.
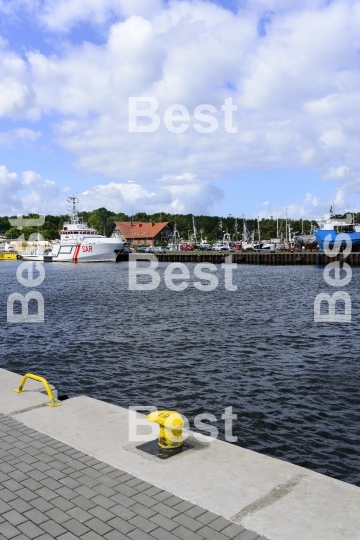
(274, 498)
(267, 259)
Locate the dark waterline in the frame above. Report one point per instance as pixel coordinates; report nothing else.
(294, 384)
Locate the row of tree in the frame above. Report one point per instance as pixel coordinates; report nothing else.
(210, 227)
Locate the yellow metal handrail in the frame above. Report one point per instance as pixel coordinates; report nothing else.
(53, 402)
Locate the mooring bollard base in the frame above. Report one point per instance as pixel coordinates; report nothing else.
(153, 448)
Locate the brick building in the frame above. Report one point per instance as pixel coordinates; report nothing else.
(141, 233)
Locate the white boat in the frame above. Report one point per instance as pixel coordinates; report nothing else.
(81, 243)
(175, 240)
(37, 254)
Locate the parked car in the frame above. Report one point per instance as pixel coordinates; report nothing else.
(186, 247)
(141, 249)
(159, 249)
(150, 249)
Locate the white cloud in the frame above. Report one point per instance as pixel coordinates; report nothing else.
(312, 206)
(31, 194)
(15, 98)
(295, 84)
(174, 194)
(9, 192)
(337, 172)
(62, 15)
(23, 135)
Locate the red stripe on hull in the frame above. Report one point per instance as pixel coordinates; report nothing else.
(76, 253)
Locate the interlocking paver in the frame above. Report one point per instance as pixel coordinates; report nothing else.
(108, 481)
(85, 492)
(91, 535)
(186, 534)
(211, 534)
(173, 500)
(4, 507)
(58, 515)
(115, 535)
(165, 510)
(82, 502)
(105, 502)
(164, 522)
(145, 500)
(79, 514)
(62, 503)
(152, 491)
(8, 531)
(104, 490)
(54, 529)
(6, 495)
(124, 500)
(247, 535)
(67, 536)
(219, 524)
(35, 516)
(101, 513)
(76, 527)
(207, 518)
(183, 506)
(188, 522)
(54, 473)
(30, 529)
(52, 491)
(143, 511)
(195, 512)
(86, 481)
(19, 505)
(14, 517)
(12, 485)
(121, 525)
(143, 524)
(138, 534)
(160, 534)
(98, 526)
(233, 530)
(18, 475)
(122, 512)
(41, 504)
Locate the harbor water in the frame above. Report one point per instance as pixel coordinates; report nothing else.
(293, 383)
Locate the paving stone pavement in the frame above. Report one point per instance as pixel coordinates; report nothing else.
(49, 490)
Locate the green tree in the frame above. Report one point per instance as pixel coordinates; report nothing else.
(101, 219)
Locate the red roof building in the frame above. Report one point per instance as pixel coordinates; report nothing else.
(141, 233)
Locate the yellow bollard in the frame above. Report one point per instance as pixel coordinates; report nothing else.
(171, 426)
(53, 402)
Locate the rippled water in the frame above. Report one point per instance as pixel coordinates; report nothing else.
(294, 384)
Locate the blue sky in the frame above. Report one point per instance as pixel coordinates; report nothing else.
(291, 68)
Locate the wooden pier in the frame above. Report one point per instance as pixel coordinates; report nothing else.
(267, 259)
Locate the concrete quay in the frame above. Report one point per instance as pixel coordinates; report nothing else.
(73, 470)
(259, 258)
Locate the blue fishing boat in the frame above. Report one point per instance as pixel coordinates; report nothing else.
(331, 226)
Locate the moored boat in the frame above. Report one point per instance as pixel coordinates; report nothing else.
(81, 243)
(330, 227)
(6, 251)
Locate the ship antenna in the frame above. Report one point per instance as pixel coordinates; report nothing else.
(72, 202)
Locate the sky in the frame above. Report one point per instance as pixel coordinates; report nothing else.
(266, 94)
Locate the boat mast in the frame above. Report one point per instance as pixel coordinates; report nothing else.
(72, 207)
(258, 229)
(236, 229)
(193, 220)
(277, 224)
